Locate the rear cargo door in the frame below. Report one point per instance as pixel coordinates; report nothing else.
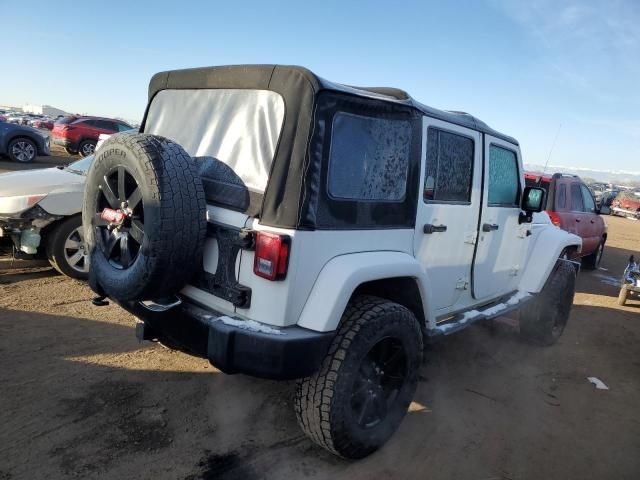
(502, 240)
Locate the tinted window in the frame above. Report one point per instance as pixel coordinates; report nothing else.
(589, 204)
(449, 167)
(562, 196)
(504, 186)
(576, 198)
(64, 120)
(123, 127)
(105, 125)
(369, 158)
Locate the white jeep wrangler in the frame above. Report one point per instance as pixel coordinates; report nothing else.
(287, 227)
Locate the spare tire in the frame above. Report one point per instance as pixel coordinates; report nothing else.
(144, 216)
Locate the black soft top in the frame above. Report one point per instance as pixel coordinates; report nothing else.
(271, 77)
(294, 194)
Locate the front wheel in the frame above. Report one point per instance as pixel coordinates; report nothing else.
(543, 320)
(365, 384)
(70, 151)
(22, 150)
(66, 249)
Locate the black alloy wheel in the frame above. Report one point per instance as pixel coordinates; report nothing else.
(120, 218)
(380, 379)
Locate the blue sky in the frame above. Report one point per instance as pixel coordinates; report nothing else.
(525, 68)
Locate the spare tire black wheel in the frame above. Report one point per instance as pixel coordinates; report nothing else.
(144, 215)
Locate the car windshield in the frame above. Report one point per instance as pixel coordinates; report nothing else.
(81, 166)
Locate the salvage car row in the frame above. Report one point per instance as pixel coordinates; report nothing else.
(22, 141)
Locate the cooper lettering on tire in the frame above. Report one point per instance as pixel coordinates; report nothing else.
(144, 216)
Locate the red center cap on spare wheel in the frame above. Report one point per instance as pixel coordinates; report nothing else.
(112, 216)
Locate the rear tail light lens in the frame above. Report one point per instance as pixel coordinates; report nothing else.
(271, 259)
(555, 218)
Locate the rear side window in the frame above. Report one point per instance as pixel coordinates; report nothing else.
(504, 184)
(369, 158)
(562, 196)
(587, 199)
(576, 198)
(449, 167)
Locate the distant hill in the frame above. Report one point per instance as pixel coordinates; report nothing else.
(620, 177)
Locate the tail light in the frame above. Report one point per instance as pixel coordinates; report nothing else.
(271, 259)
(555, 218)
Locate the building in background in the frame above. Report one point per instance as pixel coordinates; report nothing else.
(43, 110)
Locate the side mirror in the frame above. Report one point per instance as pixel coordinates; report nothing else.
(533, 199)
(604, 210)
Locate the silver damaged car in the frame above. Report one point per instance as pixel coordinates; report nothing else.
(40, 216)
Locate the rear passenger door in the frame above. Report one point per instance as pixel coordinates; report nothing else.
(503, 241)
(447, 214)
(589, 222)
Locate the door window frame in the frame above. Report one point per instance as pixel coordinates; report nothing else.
(518, 175)
(473, 166)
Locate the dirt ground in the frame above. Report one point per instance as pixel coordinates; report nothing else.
(81, 398)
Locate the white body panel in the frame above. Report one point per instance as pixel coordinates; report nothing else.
(340, 277)
(546, 244)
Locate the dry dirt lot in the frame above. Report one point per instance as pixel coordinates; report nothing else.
(81, 398)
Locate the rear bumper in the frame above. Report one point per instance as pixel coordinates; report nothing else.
(64, 142)
(236, 346)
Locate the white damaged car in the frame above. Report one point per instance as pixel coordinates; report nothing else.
(40, 216)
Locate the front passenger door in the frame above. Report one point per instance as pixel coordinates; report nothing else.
(502, 241)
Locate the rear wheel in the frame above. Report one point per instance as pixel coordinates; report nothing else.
(591, 262)
(70, 151)
(66, 249)
(361, 393)
(543, 320)
(86, 148)
(22, 150)
(623, 295)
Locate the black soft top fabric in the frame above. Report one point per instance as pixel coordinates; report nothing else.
(283, 201)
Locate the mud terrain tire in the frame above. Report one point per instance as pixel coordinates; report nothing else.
(542, 321)
(324, 402)
(165, 225)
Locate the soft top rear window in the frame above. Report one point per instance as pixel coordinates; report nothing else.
(238, 127)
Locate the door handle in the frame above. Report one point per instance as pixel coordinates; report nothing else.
(488, 227)
(428, 228)
(593, 221)
(577, 220)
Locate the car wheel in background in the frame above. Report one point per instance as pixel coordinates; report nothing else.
(591, 262)
(623, 295)
(66, 248)
(70, 151)
(87, 147)
(22, 150)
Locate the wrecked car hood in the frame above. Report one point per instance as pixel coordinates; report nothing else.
(41, 181)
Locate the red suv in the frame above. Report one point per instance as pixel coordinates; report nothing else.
(571, 206)
(80, 135)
